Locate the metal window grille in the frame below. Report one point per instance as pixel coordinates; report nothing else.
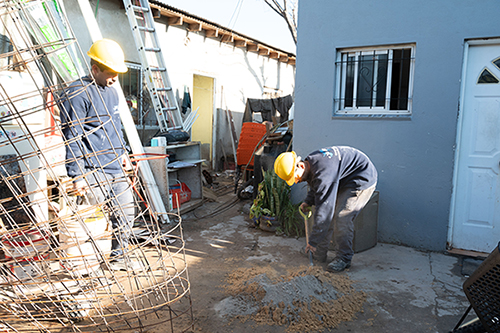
(375, 81)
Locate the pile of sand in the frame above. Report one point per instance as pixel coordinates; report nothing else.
(307, 299)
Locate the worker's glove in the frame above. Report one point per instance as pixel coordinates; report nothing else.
(305, 207)
(311, 249)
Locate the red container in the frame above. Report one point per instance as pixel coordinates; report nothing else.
(180, 194)
(250, 126)
(251, 134)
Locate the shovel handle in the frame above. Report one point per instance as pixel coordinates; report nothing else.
(304, 215)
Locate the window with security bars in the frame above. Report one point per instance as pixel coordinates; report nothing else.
(138, 101)
(375, 81)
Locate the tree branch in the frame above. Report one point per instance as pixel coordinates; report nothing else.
(282, 11)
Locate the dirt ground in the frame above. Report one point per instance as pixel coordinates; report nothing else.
(244, 279)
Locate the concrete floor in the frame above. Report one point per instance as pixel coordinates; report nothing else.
(407, 290)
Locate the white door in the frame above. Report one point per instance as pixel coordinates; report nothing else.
(476, 209)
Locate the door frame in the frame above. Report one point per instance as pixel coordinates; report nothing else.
(214, 109)
(458, 139)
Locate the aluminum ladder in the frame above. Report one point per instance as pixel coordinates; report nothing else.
(163, 99)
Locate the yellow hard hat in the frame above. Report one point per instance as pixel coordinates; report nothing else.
(108, 53)
(284, 166)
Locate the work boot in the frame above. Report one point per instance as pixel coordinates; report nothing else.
(338, 265)
(319, 255)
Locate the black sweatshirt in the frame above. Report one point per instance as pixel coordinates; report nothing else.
(330, 169)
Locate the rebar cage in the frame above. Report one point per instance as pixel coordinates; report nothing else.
(55, 267)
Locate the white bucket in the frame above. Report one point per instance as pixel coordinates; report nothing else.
(26, 253)
(83, 238)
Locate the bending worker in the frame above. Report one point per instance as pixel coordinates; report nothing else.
(341, 181)
(91, 126)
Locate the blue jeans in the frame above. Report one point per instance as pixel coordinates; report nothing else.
(349, 203)
(116, 191)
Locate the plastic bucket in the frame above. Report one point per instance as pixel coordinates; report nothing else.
(83, 237)
(26, 253)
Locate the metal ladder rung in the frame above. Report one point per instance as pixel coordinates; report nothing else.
(152, 49)
(171, 108)
(157, 69)
(164, 89)
(147, 29)
(140, 9)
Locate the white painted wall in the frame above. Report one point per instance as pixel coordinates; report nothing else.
(238, 74)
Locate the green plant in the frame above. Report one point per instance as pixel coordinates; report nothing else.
(292, 224)
(273, 199)
(256, 208)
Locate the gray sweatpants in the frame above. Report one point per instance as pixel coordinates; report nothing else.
(349, 203)
(116, 191)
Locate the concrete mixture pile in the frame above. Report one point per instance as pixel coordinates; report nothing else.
(306, 299)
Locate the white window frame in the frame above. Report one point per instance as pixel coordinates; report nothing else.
(340, 70)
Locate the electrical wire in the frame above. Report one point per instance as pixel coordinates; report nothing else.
(220, 209)
(235, 12)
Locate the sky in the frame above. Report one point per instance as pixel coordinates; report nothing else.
(253, 18)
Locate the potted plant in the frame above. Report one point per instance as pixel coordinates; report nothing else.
(272, 208)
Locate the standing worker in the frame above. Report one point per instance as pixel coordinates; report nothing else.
(91, 125)
(341, 181)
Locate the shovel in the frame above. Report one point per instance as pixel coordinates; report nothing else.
(306, 217)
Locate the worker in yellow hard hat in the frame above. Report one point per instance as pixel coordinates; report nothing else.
(341, 181)
(106, 61)
(91, 124)
(287, 168)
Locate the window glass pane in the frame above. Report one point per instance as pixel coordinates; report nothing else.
(496, 62)
(400, 79)
(372, 78)
(381, 83)
(349, 82)
(130, 81)
(365, 81)
(131, 85)
(5, 47)
(487, 77)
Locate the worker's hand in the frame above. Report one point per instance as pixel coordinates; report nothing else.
(80, 187)
(310, 248)
(305, 207)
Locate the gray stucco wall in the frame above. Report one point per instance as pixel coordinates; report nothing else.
(414, 156)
